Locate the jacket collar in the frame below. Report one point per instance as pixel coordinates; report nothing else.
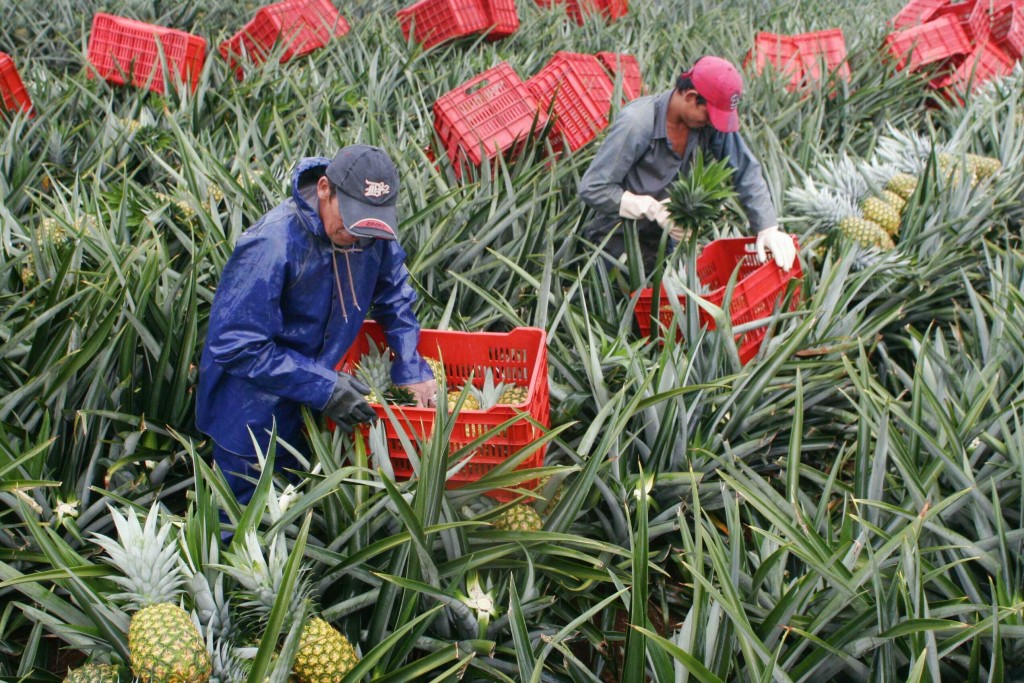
(307, 171)
(661, 114)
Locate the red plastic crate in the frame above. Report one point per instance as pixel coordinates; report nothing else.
(822, 49)
(1008, 30)
(927, 43)
(518, 357)
(502, 18)
(13, 96)
(987, 61)
(577, 89)
(432, 22)
(301, 25)
(916, 12)
(488, 115)
(611, 10)
(758, 288)
(632, 81)
(778, 51)
(972, 15)
(121, 48)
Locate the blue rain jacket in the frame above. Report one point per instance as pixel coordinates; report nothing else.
(278, 329)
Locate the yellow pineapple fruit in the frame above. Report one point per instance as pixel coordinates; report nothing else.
(514, 395)
(166, 647)
(982, 166)
(903, 184)
(881, 212)
(324, 655)
(865, 232)
(897, 202)
(519, 518)
(94, 672)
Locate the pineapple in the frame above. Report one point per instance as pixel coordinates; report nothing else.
(857, 181)
(696, 199)
(514, 395)
(324, 655)
(436, 367)
(374, 369)
(94, 673)
(519, 518)
(983, 167)
(471, 402)
(865, 233)
(164, 645)
(951, 169)
(880, 212)
(902, 184)
(490, 393)
(896, 201)
(828, 210)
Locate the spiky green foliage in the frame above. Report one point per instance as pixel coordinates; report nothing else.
(696, 200)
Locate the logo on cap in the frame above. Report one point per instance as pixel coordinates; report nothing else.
(734, 101)
(378, 189)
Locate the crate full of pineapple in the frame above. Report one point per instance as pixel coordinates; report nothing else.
(758, 288)
(502, 374)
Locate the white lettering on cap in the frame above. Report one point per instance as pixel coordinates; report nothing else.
(734, 101)
(376, 189)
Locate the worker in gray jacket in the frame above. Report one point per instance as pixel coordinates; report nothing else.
(652, 142)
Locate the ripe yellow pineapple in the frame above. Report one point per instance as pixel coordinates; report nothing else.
(866, 233)
(881, 212)
(436, 367)
(903, 184)
(471, 402)
(324, 655)
(952, 170)
(514, 395)
(897, 202)
(982, 166)
(164, 646)
(519, 518)
(94, 673)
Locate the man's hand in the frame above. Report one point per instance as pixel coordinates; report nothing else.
(425, 392)
(779, 244)
(644, 206)
(347, 405)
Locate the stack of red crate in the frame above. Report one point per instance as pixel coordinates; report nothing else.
(627, 65)
(489, 115)
(970, 42)
(579, 10)
(803, 59)
(13, 96)
(302, 26)
(127, 51)
(432, 22)
(577, 90)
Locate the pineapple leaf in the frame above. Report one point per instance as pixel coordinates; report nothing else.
(697, 199)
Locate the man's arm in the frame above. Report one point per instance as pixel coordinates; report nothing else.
(748, 180)
(628, 137)
(393, 299)
(246, 320)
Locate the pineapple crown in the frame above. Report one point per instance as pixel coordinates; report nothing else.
(821, 207)
(696, 199)
(907, 151)
(490, 393)
(374, 367)
(147, 557)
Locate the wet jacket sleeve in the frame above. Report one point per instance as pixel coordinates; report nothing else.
(392, 308)
(627, 139)
(246, 319)
(748, 180)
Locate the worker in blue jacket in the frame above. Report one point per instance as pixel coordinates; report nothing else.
(291, 301)
(652, 143)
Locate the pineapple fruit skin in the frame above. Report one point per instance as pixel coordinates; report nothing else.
(94, 673)
(881, 212)
(866, 233)
(324, 655)
(166, 647)
(519, 518)
(903, 184)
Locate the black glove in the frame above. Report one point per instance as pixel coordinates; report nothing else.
(347, 407)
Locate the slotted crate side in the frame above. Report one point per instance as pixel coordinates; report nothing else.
(502, 18)
(757, 290)
(519, 357)
(987, 61)
(488, 115)
(823, 50)
(972, 15)
(628, 65)
(927, 43)
(778, 52)
(432, 22)
(1008, 30)
(13, 95)
(916, 12)
(302, 25)
(578, 91)
(121, 47)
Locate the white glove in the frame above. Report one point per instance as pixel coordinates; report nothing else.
(779, 244)
(636, 206)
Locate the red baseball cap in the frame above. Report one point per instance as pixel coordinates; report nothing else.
(718, 82)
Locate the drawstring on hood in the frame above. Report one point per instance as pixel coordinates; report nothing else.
(337, 278)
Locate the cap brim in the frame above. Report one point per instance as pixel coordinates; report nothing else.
(724, 120)
(365, 220)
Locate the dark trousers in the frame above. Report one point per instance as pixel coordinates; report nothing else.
(240, 469)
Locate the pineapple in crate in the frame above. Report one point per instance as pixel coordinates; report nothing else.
(697, 200)
(485, 397)
(374, 369)
(164, 645)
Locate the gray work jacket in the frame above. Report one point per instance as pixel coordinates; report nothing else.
(636, 155)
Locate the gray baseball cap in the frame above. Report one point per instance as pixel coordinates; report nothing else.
(367, 183)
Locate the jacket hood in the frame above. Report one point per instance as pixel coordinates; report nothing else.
(304, 178)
